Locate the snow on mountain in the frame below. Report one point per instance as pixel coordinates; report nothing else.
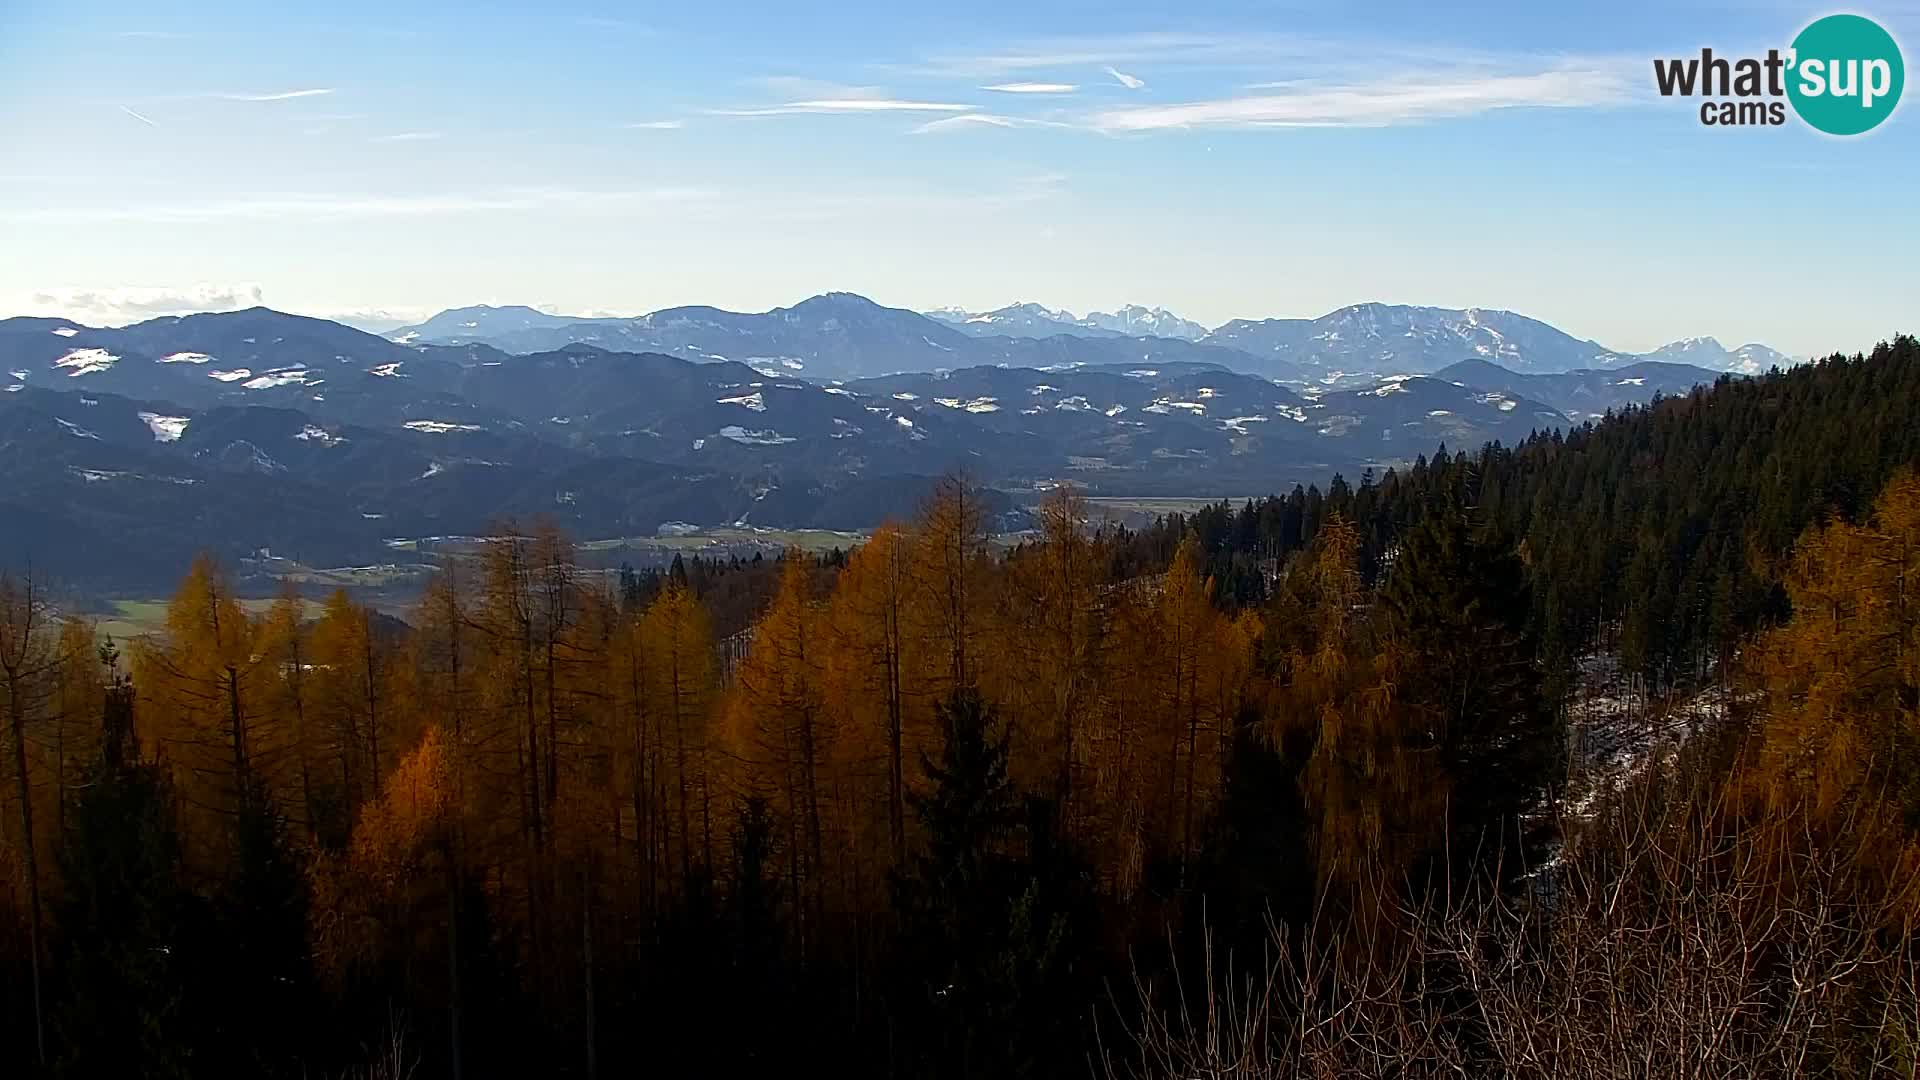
(1750, 359)
(1136, 321)
(1036, 320)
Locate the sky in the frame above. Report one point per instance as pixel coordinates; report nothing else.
(1240, 160)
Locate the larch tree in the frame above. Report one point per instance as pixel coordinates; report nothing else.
(1838, 748)
(949, 572)
(870, 668)
(29, 662)
(778, 724)
(1057, 628)
(679, 643)
(206, 683)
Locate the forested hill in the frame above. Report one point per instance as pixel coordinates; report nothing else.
(947, 811)
(1667, 521)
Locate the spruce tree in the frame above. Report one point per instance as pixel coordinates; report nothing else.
(1455, 614)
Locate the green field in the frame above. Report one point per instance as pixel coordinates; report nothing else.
(138, 618)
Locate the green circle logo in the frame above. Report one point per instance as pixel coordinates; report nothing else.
(1844, 74)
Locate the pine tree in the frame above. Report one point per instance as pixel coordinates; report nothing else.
(1463, 664)
(121, 908)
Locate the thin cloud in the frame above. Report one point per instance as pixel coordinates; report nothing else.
(847, 105)
(976, 121)
(655, 125)
(1255, 52)
(154, 35)
(147, 120)
(1032, 88)
(965, 120)
(1407, 99)
(282, 95)
(1123, 78)
(118, 305)
(410, 136)
(1112, 49)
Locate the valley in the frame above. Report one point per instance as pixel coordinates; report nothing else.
(257, 433)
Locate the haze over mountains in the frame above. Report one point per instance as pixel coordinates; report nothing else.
(122, 450)
(843, 335)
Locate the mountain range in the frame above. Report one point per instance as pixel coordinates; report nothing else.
(122, 450)
(843, 335)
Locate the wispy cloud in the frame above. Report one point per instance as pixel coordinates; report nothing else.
(333, 207)
(410, 136)
(847, 105)
(155, 35)
(1100, 50)
(977, 120)
(282, 95)
(1404, 99)
(121, 304)
(1124, 79)
(655, 125)
(147, 120)
(1294, 54)
(1032, 88)
(966, 120)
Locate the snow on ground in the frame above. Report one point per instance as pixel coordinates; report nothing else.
(750, 401)
(279, 377)
(75, 429)
(231, 376)
(64, 331)
(186, 358)
(86, 361)
(316, 433)
(438, 427)
(165, 428)
(1618, 734)
(753, 438)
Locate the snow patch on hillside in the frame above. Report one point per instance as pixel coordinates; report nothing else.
(86, 362)
(165, 428)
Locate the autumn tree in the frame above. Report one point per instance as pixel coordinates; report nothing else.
(778, 725)
(679, 646)
(948, 575)
(29, 660)
(871, 666)
(1058, 627)
(206, 683)
(1838, 749)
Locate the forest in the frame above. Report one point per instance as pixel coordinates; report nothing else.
(1285, 788)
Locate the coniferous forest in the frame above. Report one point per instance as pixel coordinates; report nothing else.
(1305, 786)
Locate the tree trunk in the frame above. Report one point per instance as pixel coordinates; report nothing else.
(16, 723)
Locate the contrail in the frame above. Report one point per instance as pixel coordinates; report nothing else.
(145, 120)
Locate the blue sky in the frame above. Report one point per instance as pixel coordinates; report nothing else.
(1224, 160)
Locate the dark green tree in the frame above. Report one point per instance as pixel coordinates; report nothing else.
(1455, 618)
(121, 911)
